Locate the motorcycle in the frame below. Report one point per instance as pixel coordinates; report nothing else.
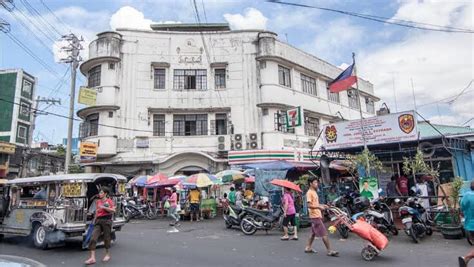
(380, 216)
(233, 216)
(130, 210)
(414, 219)
(260, 220)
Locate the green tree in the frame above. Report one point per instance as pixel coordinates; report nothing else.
(366, 159)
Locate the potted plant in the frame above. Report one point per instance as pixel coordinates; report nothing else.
(454, 230)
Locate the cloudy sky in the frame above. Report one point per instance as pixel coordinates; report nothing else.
(435, 67)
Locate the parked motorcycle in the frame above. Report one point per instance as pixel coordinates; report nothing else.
(233, 216)
(380, 216)
(414, 219)
(131, 209)
(260, 220)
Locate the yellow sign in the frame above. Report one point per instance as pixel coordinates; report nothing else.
(88, 152)
(87, 96)
(72, 190)
(7, 148)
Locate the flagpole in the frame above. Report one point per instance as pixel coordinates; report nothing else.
(360, 111)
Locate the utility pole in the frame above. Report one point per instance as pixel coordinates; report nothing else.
(73, 50)
(37, 112)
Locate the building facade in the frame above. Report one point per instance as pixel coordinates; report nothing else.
(178, 98)
(17, 94)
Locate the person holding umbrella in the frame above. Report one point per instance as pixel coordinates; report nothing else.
(289, 213)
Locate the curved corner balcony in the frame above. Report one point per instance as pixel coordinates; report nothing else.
(106, 48)
(92, 62)
(83, 113)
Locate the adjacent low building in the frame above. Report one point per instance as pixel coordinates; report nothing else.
(178, 98)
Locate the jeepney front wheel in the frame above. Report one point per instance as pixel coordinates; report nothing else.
(39, 236)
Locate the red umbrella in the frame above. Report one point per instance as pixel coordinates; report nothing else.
(286, 184)
(249, 179)
(160, 179)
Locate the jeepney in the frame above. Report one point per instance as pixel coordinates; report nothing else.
(51, 209)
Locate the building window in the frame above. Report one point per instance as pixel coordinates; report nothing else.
(190, 80)
(22, 133)
(284, 76)
(27, 89)
(111, 114)
(221, 124)
(111, 66)
(94, 76)
(280, 123)
(308, 85)
(160, 79)
(158, 125)
(219, 77)
(370, 106)
(333, 97)
(190, 124)
(90, 126)
(24, 111)
(311, 126)
(353, 99)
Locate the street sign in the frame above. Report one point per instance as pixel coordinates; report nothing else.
(87, 96)
(88, 152)
(392, 128)
(293, 117)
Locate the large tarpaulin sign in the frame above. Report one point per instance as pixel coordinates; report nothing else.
(88, 152)
(391, 128)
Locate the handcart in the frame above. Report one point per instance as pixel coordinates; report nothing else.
(377, 240)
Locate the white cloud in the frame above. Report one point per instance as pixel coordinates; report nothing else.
(252, 19)
(129, 17)
(440, 64)
(332, 38)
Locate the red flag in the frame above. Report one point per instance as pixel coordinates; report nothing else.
(344, 81)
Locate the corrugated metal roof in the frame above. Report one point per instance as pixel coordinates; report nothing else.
(427, 131)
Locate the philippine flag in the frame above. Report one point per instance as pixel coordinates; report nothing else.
(344, 81)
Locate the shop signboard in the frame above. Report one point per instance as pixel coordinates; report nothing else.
(293, 117)
(369, 187)
(7, 148)
(391, 128)
(88, 152)
(87, 96)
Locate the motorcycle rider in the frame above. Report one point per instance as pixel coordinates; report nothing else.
(315, 214)
(467, 204)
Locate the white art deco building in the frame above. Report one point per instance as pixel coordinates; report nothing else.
(185, 98)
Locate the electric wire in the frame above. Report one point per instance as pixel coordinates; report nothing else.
(398, 22)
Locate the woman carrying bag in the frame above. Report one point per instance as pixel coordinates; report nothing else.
(173, 208)
(102, 225)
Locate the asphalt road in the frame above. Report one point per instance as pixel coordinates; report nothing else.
(208, 243)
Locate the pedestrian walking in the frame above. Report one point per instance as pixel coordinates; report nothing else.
(467, 208)
(105, 209)
(194, 198)
(289, 213)
(232, 196)
(315, 214)
(173, 209)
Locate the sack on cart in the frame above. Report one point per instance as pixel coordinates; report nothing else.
(369, 233)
